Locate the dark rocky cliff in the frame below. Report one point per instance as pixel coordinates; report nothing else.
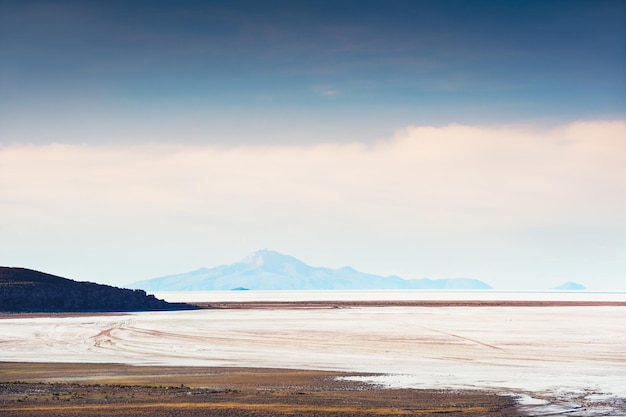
(25, 290)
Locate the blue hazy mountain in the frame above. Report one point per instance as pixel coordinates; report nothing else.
(270, 270)
(570, 286)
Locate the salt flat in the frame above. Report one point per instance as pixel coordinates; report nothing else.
(571, 353)
(389, 295)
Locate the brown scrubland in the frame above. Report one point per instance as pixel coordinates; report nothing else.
(66, 389)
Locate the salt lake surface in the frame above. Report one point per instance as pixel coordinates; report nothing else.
(388, 295)
(570, 356)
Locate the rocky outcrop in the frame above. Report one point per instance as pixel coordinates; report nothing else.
(25, 290)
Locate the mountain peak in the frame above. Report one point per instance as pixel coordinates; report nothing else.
(268, 258)
(569, 286)
(270, 270)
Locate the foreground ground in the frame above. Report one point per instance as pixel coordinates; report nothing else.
(43, 390)
(558, 359)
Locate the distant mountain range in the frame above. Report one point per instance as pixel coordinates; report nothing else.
(570, 286)
(25, 290)
(270, 270)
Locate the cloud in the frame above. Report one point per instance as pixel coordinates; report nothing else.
(326, 91)
(504, 175)
(437, 184)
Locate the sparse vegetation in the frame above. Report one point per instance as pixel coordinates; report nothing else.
(221, 392)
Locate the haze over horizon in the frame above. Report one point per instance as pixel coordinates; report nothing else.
(435, 139)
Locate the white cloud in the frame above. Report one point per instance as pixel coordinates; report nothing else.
(325, 90)
(451, 186)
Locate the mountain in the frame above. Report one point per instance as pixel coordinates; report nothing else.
(270, 270)
(570, 286)
(25, 290)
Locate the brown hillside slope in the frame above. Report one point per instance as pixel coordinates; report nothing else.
(25, 290)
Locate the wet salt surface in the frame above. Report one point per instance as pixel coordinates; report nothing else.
(388, 295)
(562, 360)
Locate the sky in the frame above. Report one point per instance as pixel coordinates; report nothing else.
(439, 139)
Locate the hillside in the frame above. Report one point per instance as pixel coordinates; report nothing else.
(570, 286)
(25, 290)
(270, 270)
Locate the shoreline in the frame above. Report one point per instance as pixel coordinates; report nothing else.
(299, 305)
(324, 304)
(46, 389)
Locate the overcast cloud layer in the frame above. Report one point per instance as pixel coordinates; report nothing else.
(515, 206)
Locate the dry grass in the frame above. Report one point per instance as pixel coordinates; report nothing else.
(45, 390)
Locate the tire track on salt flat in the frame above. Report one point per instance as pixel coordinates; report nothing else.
(469, 339)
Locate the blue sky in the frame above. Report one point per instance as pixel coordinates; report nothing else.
(108, 109)
(306, 71)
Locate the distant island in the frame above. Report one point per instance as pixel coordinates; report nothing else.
(570, 286)
(271, 270)
(27, 291)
